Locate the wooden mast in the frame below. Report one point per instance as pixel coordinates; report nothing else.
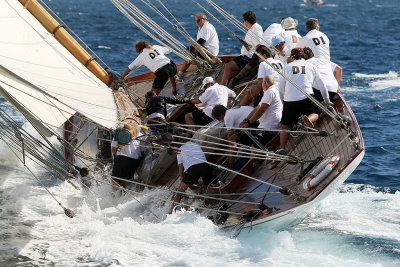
(65, 39)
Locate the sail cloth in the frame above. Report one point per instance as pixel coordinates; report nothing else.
(60, 84)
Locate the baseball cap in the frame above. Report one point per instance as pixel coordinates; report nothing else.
(206, 81)
(277, 39)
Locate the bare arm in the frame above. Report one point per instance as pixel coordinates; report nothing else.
(244, 124)
(338, 75)
(258, 112)
(127, 70)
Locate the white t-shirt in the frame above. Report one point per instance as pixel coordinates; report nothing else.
(325, 69)
(215, 95)
(271, 31)
(253, 37)
(191, 154)
(303, 74)
(208, 33)
(234, 116)
(291, 37)
(153, 58)
(132, 150)
(265, 69)
(318, 42)
(271, 119)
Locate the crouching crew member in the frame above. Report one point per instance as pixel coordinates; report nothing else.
(153, 57)
(192, 165)
(156, 108)
(127, 159)
(214, 94)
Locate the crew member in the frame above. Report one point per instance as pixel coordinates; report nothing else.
(296, 102)
(192, 165)
(214, 94)
(206, 36)
(153, 57)
(253, 38)
(316, 40)
(290, 34)
(127, 159)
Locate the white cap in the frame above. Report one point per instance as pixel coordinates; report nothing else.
(206, 81)
(289, 23)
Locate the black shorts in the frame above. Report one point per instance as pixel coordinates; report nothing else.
(244, 138)
(265, 137)
(293, 109)
(241, 61)
(255, 60)
(163, 74)
(192, 175)
(318, 95)
(125, 168)
(200, 118)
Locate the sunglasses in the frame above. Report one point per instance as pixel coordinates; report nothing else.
(198, 20)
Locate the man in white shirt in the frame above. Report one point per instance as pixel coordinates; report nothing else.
(279, 46)
(290, 34)
(253, 38)
(268, 112)
(214, 94)
(206, 36)
(271, 31)
(192, 164)
(127, 159)
(263, 70)
(232, 119)
(316, 40)
(153, 57)
(295, 102)
(325, 69)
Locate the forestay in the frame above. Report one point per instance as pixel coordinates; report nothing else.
(31, 53)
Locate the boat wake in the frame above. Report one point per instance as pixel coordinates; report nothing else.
(355, 225)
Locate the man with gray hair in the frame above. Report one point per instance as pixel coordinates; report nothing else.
(206, 36)
(268, 112)
(316, 40)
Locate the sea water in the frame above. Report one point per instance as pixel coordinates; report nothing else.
(358, 225)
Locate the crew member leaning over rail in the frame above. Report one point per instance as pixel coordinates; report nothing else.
(153, 57)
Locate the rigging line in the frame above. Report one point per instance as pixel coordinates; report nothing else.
(49, 146)
(191, 194)
(60, 139)
(245, 147)
(322, 107)
(170, 191)
(232, 171)
(184, 33)
(228, 16)
(153, 26)
(129, 17)
(217, 20)
(76, 35)
(312, 130)
(239, 154)
(67, 211)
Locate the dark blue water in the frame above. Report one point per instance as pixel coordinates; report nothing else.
(364, 38)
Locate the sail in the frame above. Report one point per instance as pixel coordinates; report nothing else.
(43, 78)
